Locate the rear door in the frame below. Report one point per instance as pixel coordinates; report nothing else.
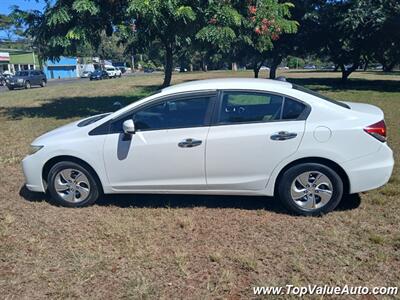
(253, 132)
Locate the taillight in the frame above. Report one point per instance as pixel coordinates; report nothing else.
(377, 130)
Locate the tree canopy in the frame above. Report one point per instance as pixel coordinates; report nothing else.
(350, 33)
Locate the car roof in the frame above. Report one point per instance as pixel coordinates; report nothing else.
(228, 84)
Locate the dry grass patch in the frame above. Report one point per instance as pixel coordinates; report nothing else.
(197, 247)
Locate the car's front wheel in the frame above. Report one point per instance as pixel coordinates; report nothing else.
(43, 84)
(72, 185)
(310, 189)
(27, 85)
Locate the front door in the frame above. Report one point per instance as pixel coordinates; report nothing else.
(254, 132)
(167, 151)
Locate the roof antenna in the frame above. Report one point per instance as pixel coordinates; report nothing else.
(281, 78)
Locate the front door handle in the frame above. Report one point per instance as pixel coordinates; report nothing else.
(283, 136)
(189, 143)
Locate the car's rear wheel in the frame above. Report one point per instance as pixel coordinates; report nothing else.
(310, 189)
(72, 185)
(43, 84)
(27, 85)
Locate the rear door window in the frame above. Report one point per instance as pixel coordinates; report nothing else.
(249, 107)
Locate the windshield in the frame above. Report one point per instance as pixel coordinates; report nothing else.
(316, 94)
(22, 73)
(97, 72)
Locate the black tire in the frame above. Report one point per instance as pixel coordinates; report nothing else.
(43, 84)
(27, 85)
(288, 178)
(94, 186)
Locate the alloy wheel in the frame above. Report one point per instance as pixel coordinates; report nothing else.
(311, 190)
(72, 185)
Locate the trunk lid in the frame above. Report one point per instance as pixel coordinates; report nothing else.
(366, 108)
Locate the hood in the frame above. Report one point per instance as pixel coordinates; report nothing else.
(67, 129)
(58, 132)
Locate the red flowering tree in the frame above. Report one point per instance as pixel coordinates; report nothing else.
(247, 28)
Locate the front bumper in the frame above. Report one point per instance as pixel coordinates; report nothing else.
(15, 84)
(371, 171)
(32, 168)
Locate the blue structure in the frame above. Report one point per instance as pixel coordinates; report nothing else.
(66, 67)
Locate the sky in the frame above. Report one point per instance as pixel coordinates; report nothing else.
(23, 4)
(5, 7)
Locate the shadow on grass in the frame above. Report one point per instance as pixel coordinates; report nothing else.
(335, 84)
(349, 202)
(65, 108)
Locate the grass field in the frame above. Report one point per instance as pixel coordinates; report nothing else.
(198, 247)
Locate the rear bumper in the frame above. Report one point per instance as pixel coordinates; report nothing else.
(371, 171)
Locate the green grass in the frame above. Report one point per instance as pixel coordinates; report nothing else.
(168, 246)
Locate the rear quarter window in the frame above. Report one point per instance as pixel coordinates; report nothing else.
(292, 109)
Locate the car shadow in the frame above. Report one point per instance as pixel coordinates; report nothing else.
(349, 202)
(336, 84)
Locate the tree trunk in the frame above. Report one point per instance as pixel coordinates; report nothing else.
(366, 66)
(346, 72)
(234, 67)
(168, 66)
(274, 66)
(257, 67)
(256, 72)
(388, 67)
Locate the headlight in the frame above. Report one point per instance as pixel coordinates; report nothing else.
(20, 80)
(34, 149)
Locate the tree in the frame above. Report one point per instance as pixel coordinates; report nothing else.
(386, 40)
(346, 31)
(65, 25)
(247, 28)
(10, 27)
(170, 22)
(299, 44)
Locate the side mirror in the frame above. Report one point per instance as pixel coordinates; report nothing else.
(129, 127)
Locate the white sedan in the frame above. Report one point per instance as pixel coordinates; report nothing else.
(221, 137)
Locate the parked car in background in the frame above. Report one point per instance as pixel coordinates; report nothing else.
(86, 74)
(122, 69)
(178, 69)
(264, 68)
(310, 67)
(2, 80)
(223, 137)
(148, 70)
(328, 67)
(99, 75)
(113, 72)
(27, 79)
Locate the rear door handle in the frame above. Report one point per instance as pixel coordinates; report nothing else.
(189, 143)
(283, 136)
